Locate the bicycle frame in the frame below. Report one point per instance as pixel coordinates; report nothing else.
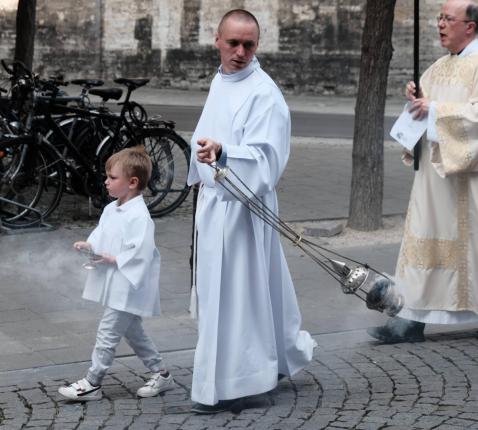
(78, 139)
(123, 126)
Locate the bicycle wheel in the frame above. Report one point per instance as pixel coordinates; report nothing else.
(30, 177)
(170, 155)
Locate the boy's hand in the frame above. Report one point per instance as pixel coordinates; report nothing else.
(101, 259)
(106, 259)
(81, 245)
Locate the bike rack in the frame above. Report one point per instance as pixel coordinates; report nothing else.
(37, 226)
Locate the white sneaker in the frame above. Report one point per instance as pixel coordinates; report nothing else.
(156, 384)
(81, 391)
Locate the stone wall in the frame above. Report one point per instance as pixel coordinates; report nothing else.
(310, 46)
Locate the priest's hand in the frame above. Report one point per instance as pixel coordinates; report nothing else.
(418, 105)
(419, 108)
(410, 90)
(209, 151)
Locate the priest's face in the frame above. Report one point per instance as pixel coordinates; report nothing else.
(237, 41)
(455, 30)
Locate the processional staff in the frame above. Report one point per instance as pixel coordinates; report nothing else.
(416, 67)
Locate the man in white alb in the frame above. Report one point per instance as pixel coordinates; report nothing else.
(249, 320)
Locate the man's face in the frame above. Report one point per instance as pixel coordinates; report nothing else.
(237, 42)
(454, 29)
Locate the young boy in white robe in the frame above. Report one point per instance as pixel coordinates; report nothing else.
(125, 278)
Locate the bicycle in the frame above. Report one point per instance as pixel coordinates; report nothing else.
(27, 173)
(28, 180)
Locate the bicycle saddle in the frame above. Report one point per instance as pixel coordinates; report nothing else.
(88, 82)
(107, 93)
(132, 83)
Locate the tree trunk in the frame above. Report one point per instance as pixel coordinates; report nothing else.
(25, 36)
(365, 209)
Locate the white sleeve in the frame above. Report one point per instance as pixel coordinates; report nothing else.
(137, 250)
(262, 154)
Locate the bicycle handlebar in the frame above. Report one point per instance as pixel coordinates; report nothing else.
(53, 83)
(15, 64)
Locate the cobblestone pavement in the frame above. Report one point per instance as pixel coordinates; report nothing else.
(432, 385)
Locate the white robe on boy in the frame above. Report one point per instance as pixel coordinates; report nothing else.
(249, 320)
(132, 285)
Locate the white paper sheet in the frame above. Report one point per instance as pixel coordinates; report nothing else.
(406, 130)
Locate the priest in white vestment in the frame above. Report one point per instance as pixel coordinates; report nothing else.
(437, 269)
(249, 320)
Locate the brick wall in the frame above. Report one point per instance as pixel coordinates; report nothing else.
(306, 45)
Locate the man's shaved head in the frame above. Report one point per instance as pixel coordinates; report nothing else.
(240, 15)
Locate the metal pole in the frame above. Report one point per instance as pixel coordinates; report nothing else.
(416, 71)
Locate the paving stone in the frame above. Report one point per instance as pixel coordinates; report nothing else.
(142, 426)
(369, 426)
(396, 427)
(323, 228)
(450, 427)
(426, 422)
(64, 426)
(467, 423)
(13, 424)
(39, 423)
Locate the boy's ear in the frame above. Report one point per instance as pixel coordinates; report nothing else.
(133, 182)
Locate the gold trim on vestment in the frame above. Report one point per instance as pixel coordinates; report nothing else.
(426, 254)
(463, 234)
(451, 70)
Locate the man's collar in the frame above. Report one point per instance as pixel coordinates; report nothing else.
(471, 48)
(241, 74)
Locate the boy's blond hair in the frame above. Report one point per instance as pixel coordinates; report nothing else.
(134, 162)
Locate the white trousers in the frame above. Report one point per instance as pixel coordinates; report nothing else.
(115, 325)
